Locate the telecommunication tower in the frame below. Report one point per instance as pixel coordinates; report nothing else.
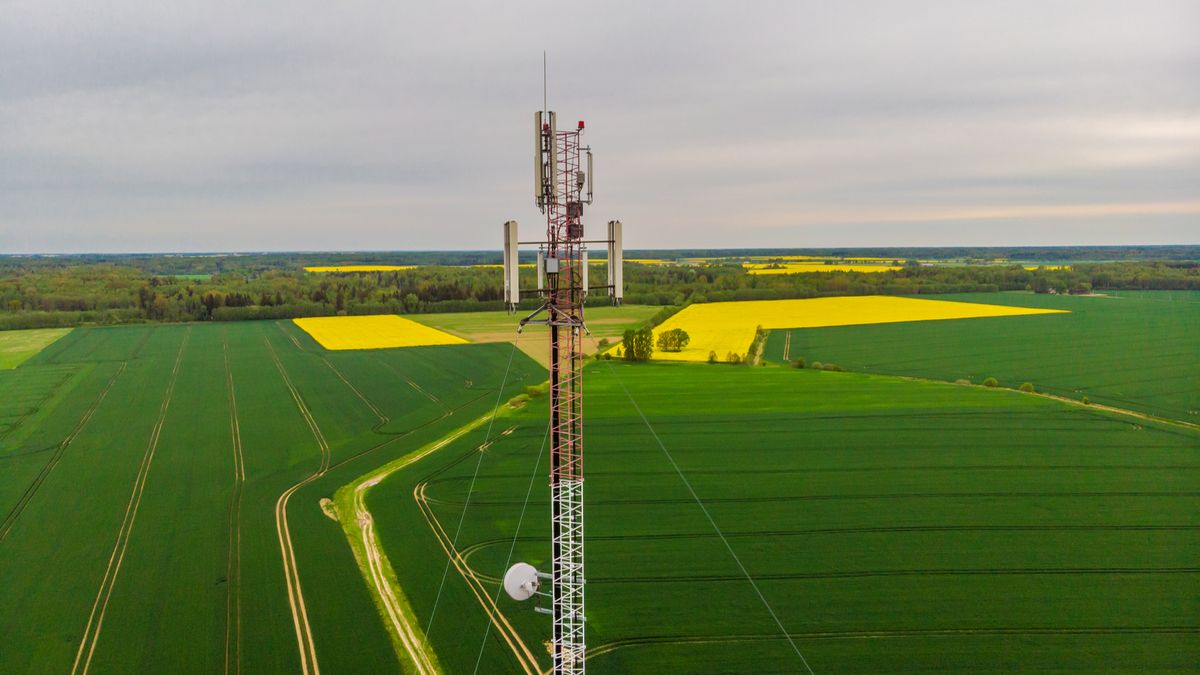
(562, 187)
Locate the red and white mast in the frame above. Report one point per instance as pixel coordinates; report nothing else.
(562, 188)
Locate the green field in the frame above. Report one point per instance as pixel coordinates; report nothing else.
(891, 524)
(1130, 350)
(958, 529)
(160, 489)
(138, 535)
(17, 346)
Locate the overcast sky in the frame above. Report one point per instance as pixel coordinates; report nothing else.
(213, 126)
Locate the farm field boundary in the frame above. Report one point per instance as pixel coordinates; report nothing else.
(723, 328)
(357, 522)
(381, 331)
(1133, 351)
(56, 456)
(1124, 412)
(18, 346)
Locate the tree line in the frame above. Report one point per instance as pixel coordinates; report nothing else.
(72, 290)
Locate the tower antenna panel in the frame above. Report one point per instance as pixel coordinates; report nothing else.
(539, 167)
(512, 287)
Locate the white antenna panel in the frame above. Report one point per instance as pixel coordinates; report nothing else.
(539, 178)
(512, 288)
(553, 157)
(616, 262)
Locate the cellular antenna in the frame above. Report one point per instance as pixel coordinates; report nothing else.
(561, 189)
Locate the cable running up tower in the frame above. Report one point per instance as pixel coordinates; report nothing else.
(561, 189)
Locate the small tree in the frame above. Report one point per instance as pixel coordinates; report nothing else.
(712, 357)
(639, 344)
(991, 382)
(798, 363)
(1027, 387)
(733, 357)
(674, 340)
(1086, 400)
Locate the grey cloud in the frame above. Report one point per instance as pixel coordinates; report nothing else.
(228, 126)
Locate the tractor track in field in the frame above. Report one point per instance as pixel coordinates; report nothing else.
(379, 567)
(57, 453)
(377, 563)
(652, 640)
(291, 572)
(383, 419)
(233, 572)
(67, 371)
(304, 638)
(507, 632)
(505, 629)
(50, 355)
(290, 336)
(104, 337)
(416, 387)
(422, 660)
(1124, 412)
(91, 634)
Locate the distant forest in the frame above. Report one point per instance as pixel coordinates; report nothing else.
(45, 291)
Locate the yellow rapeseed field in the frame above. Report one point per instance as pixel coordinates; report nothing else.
(378, 331)
(798, 267)
(724, 327)
(803, 258)
(358, 268)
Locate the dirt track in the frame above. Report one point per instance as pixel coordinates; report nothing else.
(233, 572)
(304, 638)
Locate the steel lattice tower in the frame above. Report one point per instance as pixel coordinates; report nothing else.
(563, 285)
(564, 306)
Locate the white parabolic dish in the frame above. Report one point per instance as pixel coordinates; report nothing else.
(521, 581)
